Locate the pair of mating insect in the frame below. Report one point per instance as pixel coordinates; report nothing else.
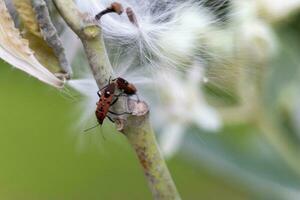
(108, 97)
(107, 94)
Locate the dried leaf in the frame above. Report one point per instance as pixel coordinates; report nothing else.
(15, 50)
(31, 31)
(27, 17)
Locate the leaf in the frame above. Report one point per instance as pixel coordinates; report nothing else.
(31, 31)
(27, 16)
(15, 50)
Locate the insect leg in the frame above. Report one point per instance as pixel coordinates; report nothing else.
(110, 119)
(86, 130)
(115, 101)
(118, 114)
(123, 95)
(103, 88)
(99, 92)
(117, 98)
(114, 79)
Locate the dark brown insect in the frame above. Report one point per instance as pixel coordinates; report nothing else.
(106, 100)
(125, 86)
(107, 95)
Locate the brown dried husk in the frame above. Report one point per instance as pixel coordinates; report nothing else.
(16, 51)
(31, 31)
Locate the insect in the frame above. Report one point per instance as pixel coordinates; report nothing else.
(106, 100)
(108, 97)
(125, 86)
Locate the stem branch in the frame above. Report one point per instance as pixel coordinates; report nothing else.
(141, 136)
(136, 127)
(51, 36)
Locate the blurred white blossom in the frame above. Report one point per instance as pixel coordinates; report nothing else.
(254, 35)
(271, 10)
(183, 105)
(277, 10)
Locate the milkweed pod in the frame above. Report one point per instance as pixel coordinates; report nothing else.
(16, 51)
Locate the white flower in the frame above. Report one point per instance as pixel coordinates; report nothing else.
(259, 39)
(277, 10)
(254, 35)
(182, 105)
(270, 10)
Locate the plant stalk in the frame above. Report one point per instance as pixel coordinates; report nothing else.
(142, 138)
(136, 127)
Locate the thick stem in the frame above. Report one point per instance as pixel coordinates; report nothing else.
(71, 14)
(137, 126)
(91, 37)
(96, 54)
(142, 138)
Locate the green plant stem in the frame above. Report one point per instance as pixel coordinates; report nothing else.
(159, 179)
(272, 132)
(285, 148)
(136, 127)
(91, 37)
(142, 138)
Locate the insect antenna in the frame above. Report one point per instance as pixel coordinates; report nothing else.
(87, 130)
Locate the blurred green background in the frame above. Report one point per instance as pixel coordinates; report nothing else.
(40, 158)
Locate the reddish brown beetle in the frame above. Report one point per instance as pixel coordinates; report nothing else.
(106, 100)
(107, 95)
(125, 86)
